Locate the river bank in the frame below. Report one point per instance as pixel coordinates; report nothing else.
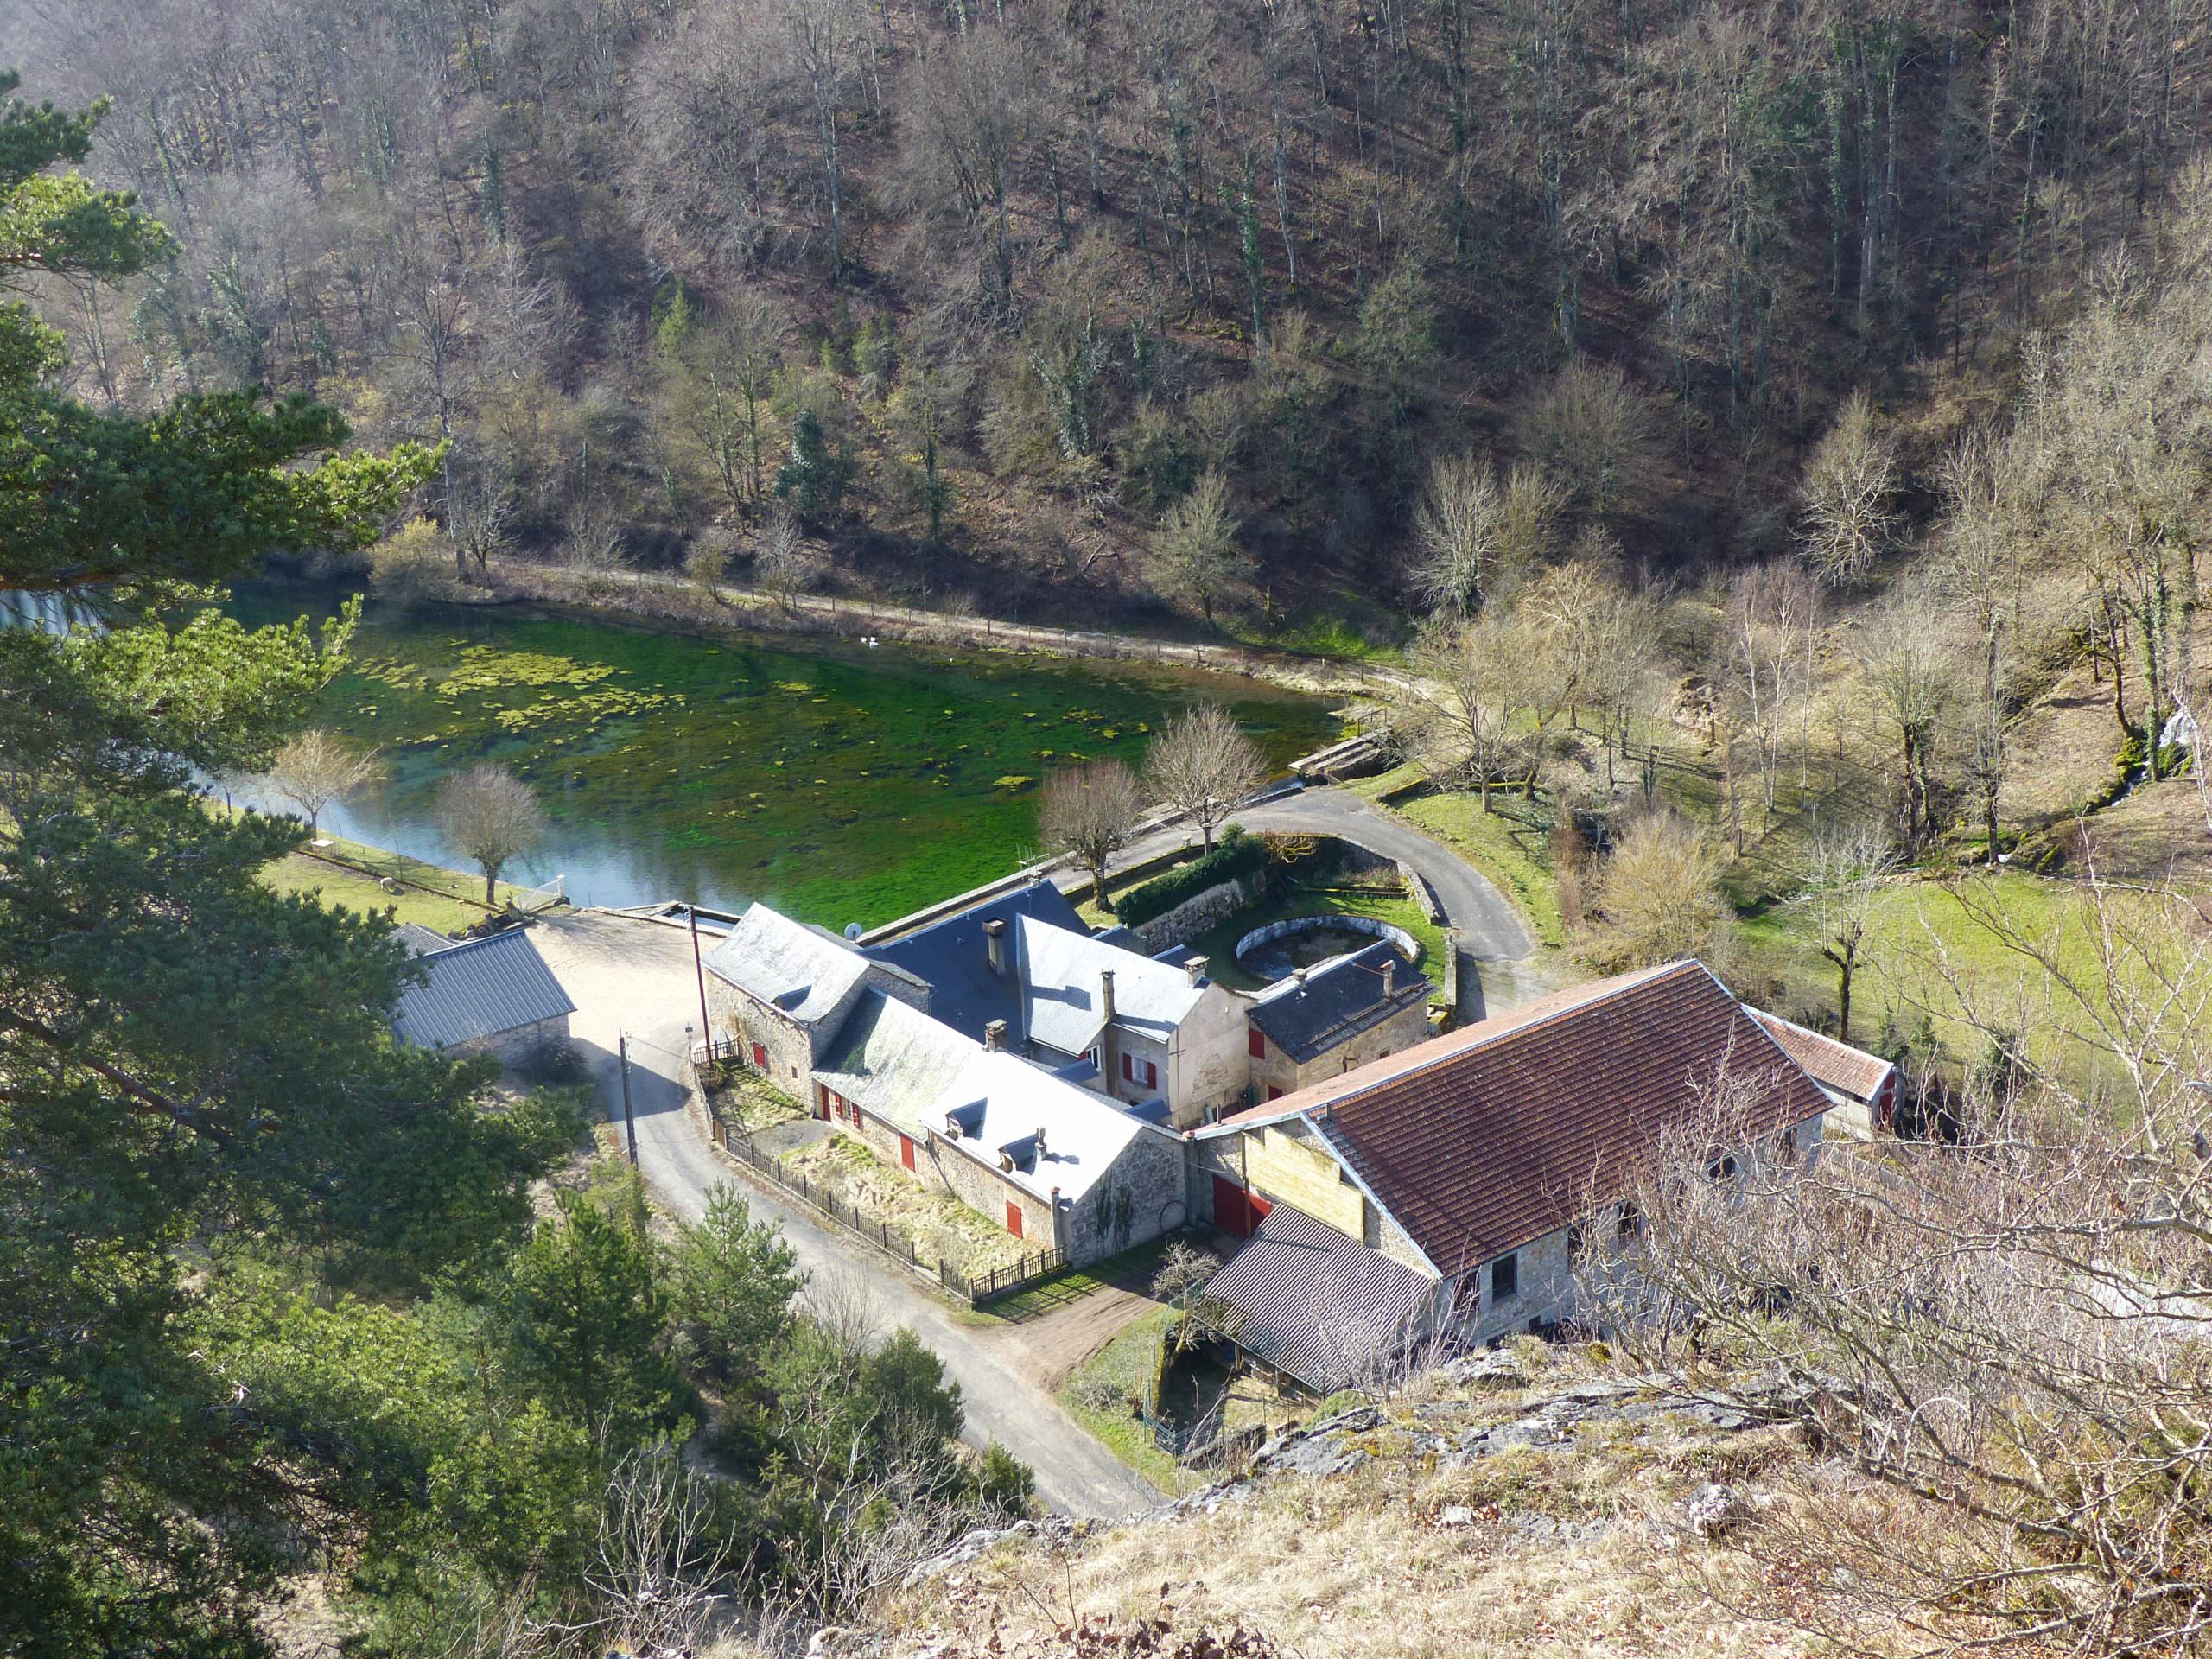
(843, 782)
(676, 602)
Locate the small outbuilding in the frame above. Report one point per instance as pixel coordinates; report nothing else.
(493, 995)
(1322, 1021)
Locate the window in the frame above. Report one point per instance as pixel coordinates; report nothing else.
(1256, 1044)
(1505, 1278)
(906, 1151)
(1631, 1223)
(1274, 1093)
(1574, 1240)
(1723, 1167)
(759, 1058)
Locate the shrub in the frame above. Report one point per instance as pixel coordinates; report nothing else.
(1238, 857)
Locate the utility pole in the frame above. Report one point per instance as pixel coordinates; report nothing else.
(629, 1118)
(699, 967)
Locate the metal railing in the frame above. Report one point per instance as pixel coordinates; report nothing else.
(975, 1289)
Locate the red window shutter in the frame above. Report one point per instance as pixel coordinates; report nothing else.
(1274, 1093)
(759, 1058)
(1013, 1218)
(1151, 1075)
(1257, 1043)
(1129, 1070)
(907, 1150)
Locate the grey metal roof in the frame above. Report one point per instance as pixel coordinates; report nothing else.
(478, 988)
(1314, 1304)
(1063, 1004)
(1340, 999)
(953, 958)
(801, 970)
(894, 1061)
(420, 941)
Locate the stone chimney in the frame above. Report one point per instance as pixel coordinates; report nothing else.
(994, 1036)
(1389, 978)
(994, 944)
(1298, 974)
(1106, 995)
(1196, 968)
(1040, 1140)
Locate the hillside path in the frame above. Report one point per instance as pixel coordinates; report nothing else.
(627, 975)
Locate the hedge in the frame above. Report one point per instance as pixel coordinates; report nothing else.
(1234, 857)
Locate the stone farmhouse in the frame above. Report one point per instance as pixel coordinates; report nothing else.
(1441, 1192)
(1322, 1021)
(1026, 964)
(491, 995)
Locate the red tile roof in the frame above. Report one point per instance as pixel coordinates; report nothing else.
(1839, 1067)
(1485, 1139)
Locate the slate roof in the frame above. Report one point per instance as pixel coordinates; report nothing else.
(1061, 988)
(420, 940)
(895, 1062)
(477, 988)
(1001, 1101)
(1847, 1071)
(1313, 1303)
(951, 958)
(1481, 1141)
(1336, 1000)
(802, 970)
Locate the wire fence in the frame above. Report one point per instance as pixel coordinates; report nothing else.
(977, 1289)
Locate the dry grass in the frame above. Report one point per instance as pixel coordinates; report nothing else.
(1573, 1550)
(943, 1228)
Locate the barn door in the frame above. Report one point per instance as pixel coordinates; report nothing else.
(1235, 1212)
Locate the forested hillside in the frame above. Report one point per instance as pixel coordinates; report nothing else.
(1158, 306)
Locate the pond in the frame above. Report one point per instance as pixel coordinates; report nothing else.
(841, 783)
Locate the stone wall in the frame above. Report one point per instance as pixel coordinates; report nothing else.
(1408, 946)
(519, 1046)
(1194, 915)
(1139, 1199)
(789, 1048)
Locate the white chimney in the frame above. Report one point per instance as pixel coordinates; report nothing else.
(1390, 977)
(1106, 995)
(1040, 1140)
(1196, 968)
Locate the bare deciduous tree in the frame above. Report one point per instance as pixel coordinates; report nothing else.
(1196, 543)
(1843, 875)
(492, 817)
(1770, 615)
(1590, 429)
(1659, 896)
(1087, 811)
(1847, 500)
(1478, 535)
(317, 768)
(1202, 764)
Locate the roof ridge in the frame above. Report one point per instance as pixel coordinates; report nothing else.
(1630, 980)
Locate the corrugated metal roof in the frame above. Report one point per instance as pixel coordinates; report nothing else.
(1314, 1303)
(479, 989)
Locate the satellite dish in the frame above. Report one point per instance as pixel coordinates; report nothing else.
(853, 932)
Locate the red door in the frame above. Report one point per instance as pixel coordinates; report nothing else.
(907, 1150)
(1235, 1212)
(1013, 1218)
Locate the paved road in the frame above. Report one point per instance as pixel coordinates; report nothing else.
(1495, 948)
(638, 975)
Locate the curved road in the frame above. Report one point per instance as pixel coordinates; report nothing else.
(623, 974)
(1495, 943)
